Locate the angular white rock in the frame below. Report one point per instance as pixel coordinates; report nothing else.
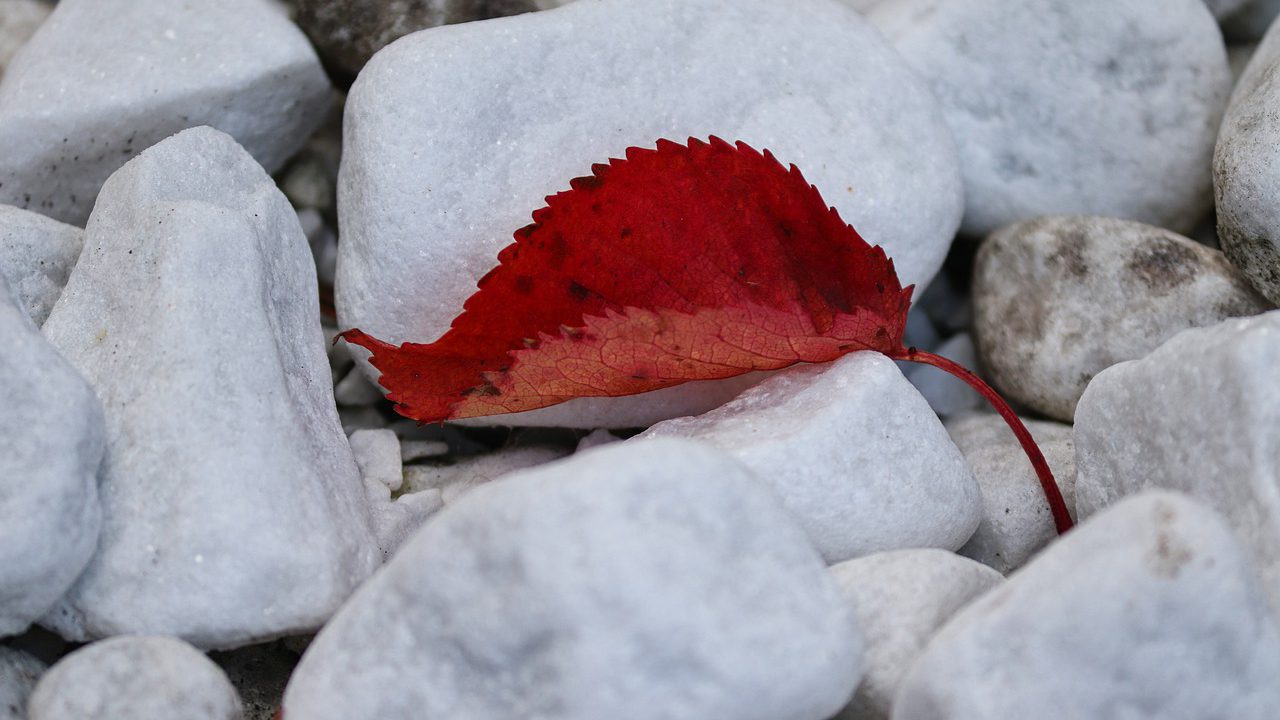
(36, 256)
(639, 581)
(1246, 170)
(1201, 415)
(1150, 611)
(900, 599)
(18, 675)
(1072, 107)
(1016, 520)
(434, 180)
(1059, 299)
(137, 677)
(51, 441)
(233, 507)
(377, 453)
(102, 80)
(856, 455)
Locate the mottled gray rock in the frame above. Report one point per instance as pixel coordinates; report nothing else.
(1100, 107)
(233, 508)
(348, 32)
(1246, 170)
(137, 677)
(853, 451)
(434, 179)
(1198, 415)
(51, 440)
(18, 675)
(1150, 611)
(36, 256)
(19, 20)
(900, 599)
(639, 581)
(1059, 299)
(104, 79)
(1016, 520)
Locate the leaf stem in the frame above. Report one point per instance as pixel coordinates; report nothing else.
(1061, 518)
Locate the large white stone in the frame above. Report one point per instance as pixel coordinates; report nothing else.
(18, 675)
(102, 80)
(135, 677)
(900, 599)
(233, 508)
(51, 440)
(36, 256)
(1058, 299)
(639, 581)
(1246, 170)
(1100, 107)
(1150, 611)
(455, 135)
(1016, 519)
(1201, 415)
(854, 452)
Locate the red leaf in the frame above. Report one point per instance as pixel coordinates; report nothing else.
(675, 264)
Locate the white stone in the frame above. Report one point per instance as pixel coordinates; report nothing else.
(900, 599)
(1150, 611)
(233, 508)
(1059, 299)
(435, 179)
(377, 453)
(1246, 170)
(1016, 520)
(355, 390)
(102, 80)
(1101, 107)
(51, 440)
(639, 581)
(454, 478)
(856, 455)
(18, 675)
(1198, 415)
(137, 677)
(36, 256)
(19, 20)
(947, 395)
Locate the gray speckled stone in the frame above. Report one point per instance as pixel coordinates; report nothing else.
(1150, 611)
(1102, 107)
(18, 675)
(36, 256)
(233, 509)
(102, 80)
(1059, 299)
(51, 441)
(1246, 170)
(637, 581)
(135, 677)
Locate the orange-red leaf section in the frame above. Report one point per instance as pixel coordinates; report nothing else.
(679, 263)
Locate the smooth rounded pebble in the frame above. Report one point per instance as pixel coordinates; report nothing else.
(1198, 415)
(1246, 170)
(233, 509)
(1016, 520)
(637, 581)
(1150, 611)
(448, 151)
(102, 80)
(1059, 299)
(51, 442)
(36, 257)
(135, 677)
(901, 599)
(18, 675)
(853, 451)
(1101, 107)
